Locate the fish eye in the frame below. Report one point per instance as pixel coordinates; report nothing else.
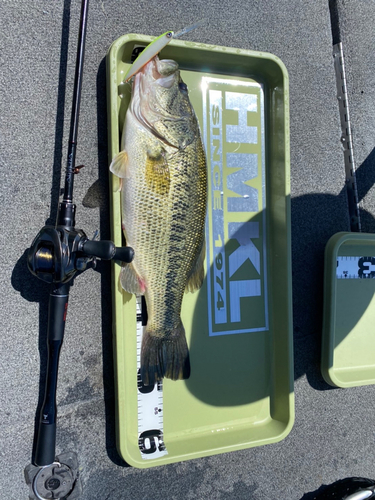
(183, 86)
(169, 34)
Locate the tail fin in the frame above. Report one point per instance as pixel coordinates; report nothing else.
(166, 356)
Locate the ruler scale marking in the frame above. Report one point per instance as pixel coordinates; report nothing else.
(355, 267)
(150, 406)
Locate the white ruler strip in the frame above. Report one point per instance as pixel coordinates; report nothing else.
(150, 406)
(352, 267)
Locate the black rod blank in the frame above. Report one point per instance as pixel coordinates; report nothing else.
(69, 178)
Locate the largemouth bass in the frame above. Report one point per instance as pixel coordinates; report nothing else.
(162, 165)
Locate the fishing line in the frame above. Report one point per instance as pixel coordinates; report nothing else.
(189, 28)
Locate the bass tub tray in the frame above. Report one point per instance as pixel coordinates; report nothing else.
(239, 324)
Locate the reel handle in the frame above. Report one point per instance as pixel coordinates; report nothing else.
(58, 253)
(107, 250)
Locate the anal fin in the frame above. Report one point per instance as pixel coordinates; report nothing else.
(131, 281)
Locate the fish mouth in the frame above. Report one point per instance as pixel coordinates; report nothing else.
(143, 104)
(165, 71)
(161, 72)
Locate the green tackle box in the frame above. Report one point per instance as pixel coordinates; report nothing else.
(239, 324)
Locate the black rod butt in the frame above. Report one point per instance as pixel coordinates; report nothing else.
(45, 445)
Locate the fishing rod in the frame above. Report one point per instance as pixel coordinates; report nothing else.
(56, 255)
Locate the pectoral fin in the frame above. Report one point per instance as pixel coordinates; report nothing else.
(196, 276)
(119, 165)
(157, 171)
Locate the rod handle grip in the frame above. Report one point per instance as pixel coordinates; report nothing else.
(45, 445)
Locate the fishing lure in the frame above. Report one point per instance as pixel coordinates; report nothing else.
(155, 47)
